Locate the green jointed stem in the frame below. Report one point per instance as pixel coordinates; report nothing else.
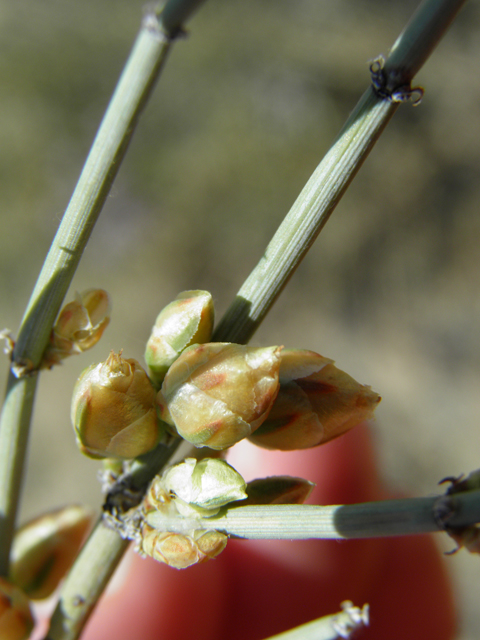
(103, 162)
(14, 429)
(419, 38)
(367, 520)
(101, 167)
(76, 604)
(305, 219)
(324, 189)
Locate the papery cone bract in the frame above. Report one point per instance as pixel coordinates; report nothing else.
(45, 548)
(316, 403)
(215, 394)
(185, 321)
(16, 620)
(113, 410)
(79, 326)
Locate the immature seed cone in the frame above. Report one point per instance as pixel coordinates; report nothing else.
(79, 326)
(218, 393)
(185, 321)
(16, 620)
(316, 403)
(113, 410)
(44, 549)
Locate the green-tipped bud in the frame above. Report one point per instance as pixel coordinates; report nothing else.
(204, 486)
(16, 620)
(278, 490)
(113, 410)
(44, 549)
(79, 326)
(179, 550)
(185, 321)
(316, 403)
(218, 393)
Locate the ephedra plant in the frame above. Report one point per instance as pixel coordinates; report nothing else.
(164, 429)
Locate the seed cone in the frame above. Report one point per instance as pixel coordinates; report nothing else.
(185, 321)
(179, 550)
(113, 410)
(316, 403)
(217, 393)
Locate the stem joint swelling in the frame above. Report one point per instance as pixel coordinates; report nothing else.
(391, 85)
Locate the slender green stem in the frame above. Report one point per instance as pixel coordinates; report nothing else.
(367, 520)
(419, 38)
(176, 13)
(101, 167)
(104, 550)
(326, 186)
(306, 218)
(14, 428)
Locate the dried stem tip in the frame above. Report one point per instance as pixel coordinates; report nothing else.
(218, 393)
(113, 410)
(316, 403)
(185, 321)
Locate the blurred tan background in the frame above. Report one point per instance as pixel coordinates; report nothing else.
(247, 105)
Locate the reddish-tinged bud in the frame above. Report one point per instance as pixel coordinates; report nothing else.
(316, 403)
(218, 393)
(79, 326)
(44, 549)
(16, 620)
(113, 410)
(185, 321)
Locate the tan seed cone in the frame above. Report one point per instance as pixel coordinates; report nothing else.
(316, 403)
(215, 394)
(113, 410)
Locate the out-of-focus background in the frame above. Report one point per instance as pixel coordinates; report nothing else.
(247, 105)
